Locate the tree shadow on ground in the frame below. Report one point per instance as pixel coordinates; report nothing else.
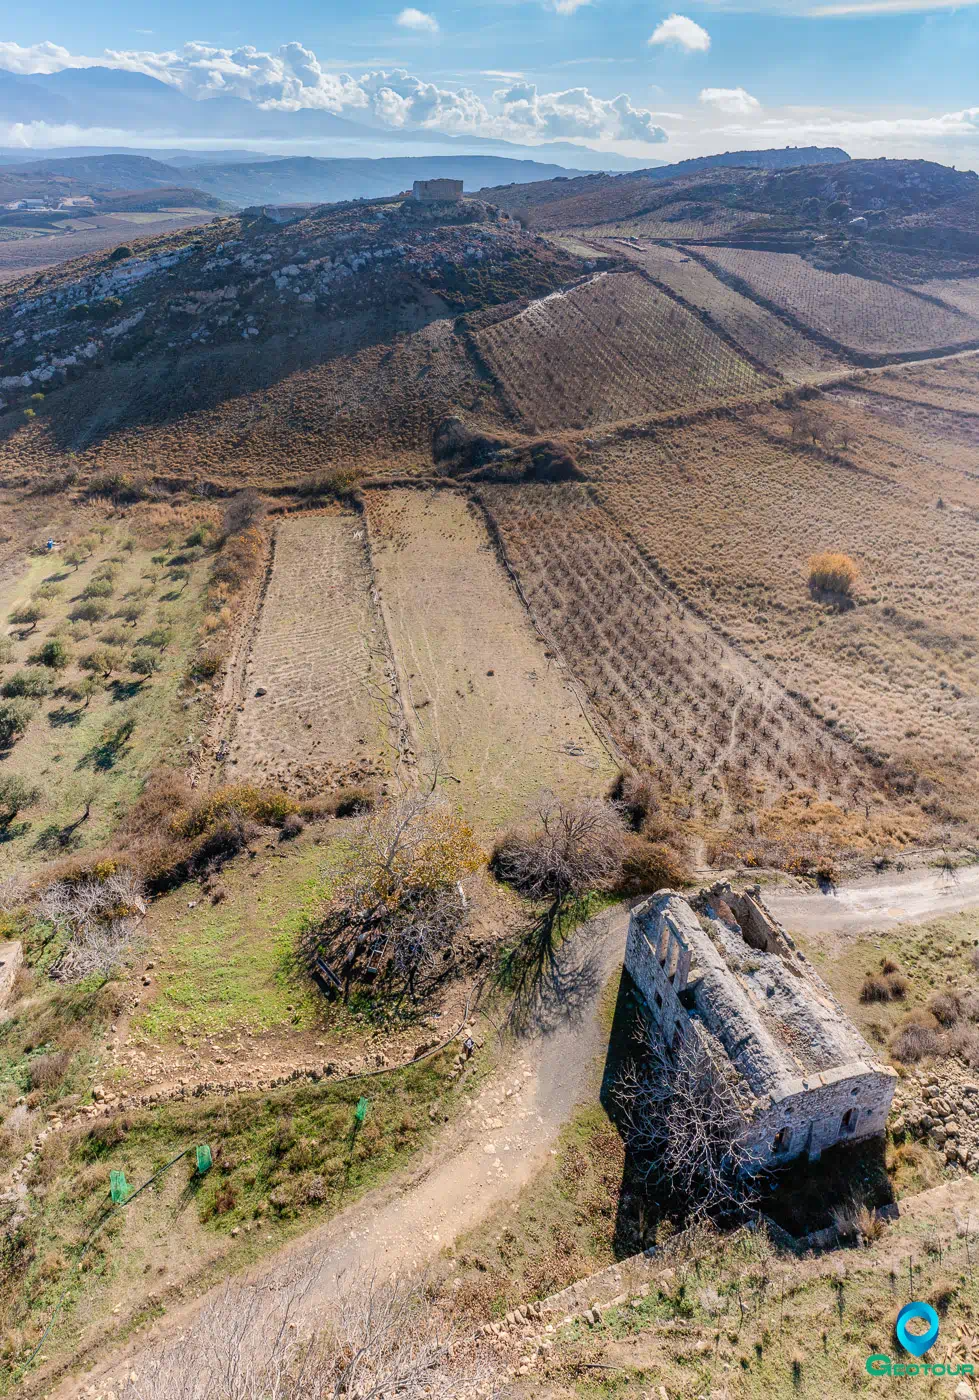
(550, 975)
(13, 830)
(124, 690)
(65, 716)
(56, 840)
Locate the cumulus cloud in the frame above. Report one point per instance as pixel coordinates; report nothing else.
(576, 112)
(568, 7)
(293, 78)
(681, 32)
(418, 20)
(733, 100)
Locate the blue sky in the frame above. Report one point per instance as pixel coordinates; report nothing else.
(886, 77)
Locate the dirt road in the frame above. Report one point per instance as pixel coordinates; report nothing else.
(910, 896)
(513, 1126)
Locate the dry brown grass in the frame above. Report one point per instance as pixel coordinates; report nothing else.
(730, 511)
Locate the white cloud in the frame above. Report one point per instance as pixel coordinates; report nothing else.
(418, 20)
(684, 33)
(293, 78)
(733, 100)
(568, 7)
(574, 113)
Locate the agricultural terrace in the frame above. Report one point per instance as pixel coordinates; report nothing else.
(316, 707)
(477, 685)
(677, 219)
(895, 665)
(782, 348)
(950, 384)
(871, 317)
(962, 292)
(96, 641)
(724, 739)
(933, 452)
(612, 348)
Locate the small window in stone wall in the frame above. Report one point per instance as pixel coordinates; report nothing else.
(659, 999)
(780, 1142)
(849, 1121)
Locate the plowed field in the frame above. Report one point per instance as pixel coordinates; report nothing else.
(863, 315)
(319, 657)
(613, 348)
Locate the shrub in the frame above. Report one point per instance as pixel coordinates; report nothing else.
(874, 989)
(243, 511)
(15, 794)
(33, 682)
(943, 1294)
(648, 866)
(575, 847)
(347, 802)
(15, 716)
(102, 661)
(338, 483)
(205, 667)
(916, 1040)
(833, 573)
(144, 663)
(92, 610)
(54, 654)
(266, 806)
(293, 826)
(98, 588)
(120, 253)
(28, 615)
(946, 1007)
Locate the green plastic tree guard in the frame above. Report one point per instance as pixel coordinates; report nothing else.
(118, 1187)
(360, 1112)
(203, 1159)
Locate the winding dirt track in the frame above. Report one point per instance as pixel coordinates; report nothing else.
(496, 1150)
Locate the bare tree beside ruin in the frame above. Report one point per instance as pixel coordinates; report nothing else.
(575, 847)
(682, 1117)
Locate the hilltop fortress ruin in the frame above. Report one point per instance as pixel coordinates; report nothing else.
(720, 968)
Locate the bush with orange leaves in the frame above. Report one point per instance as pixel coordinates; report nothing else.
(830, 572)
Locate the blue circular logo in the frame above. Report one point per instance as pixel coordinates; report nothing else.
(917, 1343)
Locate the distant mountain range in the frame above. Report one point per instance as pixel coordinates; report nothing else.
(133, 102)
(290, 180)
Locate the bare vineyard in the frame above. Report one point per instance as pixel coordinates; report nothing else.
(777, 345)
(867, 316)
(723, 739)
(679, 219)
(614, 348)
(960, 292)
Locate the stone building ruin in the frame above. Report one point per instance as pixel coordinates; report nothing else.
(434, 191)
(720, 968)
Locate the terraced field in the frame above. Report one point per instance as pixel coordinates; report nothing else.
(758, 330)
(678, 219)
(478, 685)
(722, 736)
(869, 317)
(613, 348)
(325, 712)
(961, 292)
(732, 511)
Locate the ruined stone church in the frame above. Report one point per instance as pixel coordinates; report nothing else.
(720, 968)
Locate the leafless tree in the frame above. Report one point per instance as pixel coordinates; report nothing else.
(379, 1341)
(574, 847)
(99, 914)
(683, 1118)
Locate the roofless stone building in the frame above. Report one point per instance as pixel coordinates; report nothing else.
(720, 968)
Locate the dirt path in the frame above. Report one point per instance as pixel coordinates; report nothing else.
(486, 1159)
(512, 1127)
(911, 896)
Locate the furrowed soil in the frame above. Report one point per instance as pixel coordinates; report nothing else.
(327, 711)
(782, 348)
(894, 667)
(612, 348)
(856, 312)
(476, 682)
